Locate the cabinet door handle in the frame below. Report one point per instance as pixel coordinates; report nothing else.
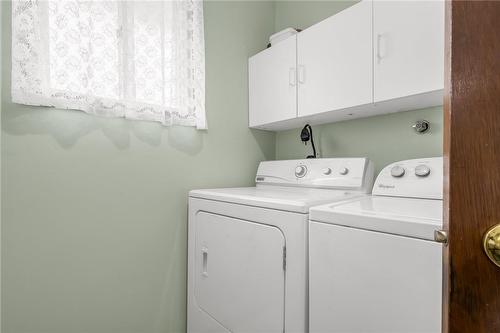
(380, 53)
(302, 74)
(204, 252)
(292, 76)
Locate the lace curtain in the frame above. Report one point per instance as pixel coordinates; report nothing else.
(138, 60)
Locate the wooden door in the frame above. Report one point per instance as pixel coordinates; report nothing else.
(472, 164)
(335, 62)
(273, 84)
(408, 38)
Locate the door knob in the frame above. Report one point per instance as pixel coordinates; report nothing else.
(491, 244)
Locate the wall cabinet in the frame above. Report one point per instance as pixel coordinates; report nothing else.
(409, 48)
(372, 58)
(335, 62)
(273, 84)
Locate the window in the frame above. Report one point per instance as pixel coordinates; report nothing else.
(138, 60)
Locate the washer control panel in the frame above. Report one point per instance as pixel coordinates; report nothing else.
(341, 173)
(418, 178)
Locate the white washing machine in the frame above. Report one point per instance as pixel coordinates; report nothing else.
(247, 247)
(376, 262)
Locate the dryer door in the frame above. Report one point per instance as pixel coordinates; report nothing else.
(240, 278)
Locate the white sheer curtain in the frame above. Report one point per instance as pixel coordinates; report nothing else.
(133, 59)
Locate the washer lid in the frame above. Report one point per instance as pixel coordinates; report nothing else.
(292, 199)
(410, 217)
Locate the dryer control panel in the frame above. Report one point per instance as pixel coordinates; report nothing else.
(418, 178)
(330, 173)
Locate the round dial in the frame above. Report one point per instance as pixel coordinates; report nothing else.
(422, 170)
(397, 171)
(327, 171)
(300, 171)
(344, 171)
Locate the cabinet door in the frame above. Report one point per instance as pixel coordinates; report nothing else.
(272, 84)
(409, 48)
(335, 62)
(239, 280)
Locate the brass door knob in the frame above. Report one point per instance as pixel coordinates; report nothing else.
(491, 242)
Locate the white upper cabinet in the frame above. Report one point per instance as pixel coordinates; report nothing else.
(334, 60)
(273, 84)
(372, 58)
(408, 41)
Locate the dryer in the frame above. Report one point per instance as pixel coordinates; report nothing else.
(247, 247)
(376, 262)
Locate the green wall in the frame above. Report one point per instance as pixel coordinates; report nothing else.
(94, 209)
(384, 139)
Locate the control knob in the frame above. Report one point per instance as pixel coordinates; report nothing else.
(397, 171)
(422, 170)
(300, 171)
(344, 171)
(327, 171)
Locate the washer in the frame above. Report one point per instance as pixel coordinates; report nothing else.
(247, 247)
(376, 262)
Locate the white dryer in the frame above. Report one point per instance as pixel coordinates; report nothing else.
(247, 247)
(376, 262)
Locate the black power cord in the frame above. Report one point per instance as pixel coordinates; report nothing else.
(307, 134)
